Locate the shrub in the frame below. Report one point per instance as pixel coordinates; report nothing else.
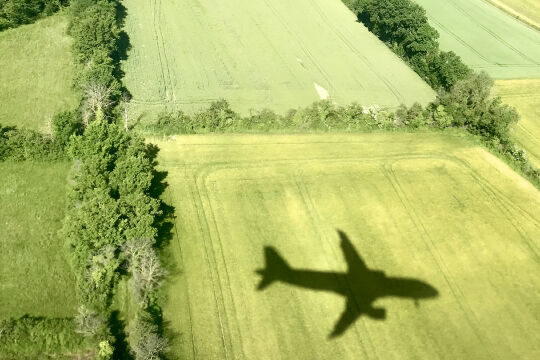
(144, 339)
(23, 144)
(32, 337)
(17, 12)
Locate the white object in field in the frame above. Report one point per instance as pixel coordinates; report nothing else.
(323, 93)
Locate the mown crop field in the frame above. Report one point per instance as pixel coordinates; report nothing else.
(274, 54)
(487, 38)
(35, 277)
(36, 72)
(432, 208)
(524, 95)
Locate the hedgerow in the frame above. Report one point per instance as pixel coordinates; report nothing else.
(19, 144)
(404, 27)
(465, 95)
(111, 226)
(18, 12)
(37, 338)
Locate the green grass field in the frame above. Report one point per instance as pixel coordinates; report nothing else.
(35, 277)
(36, 72)
(430, 207)
(524, 95)
(274, 54)
(486, 38)
(526, 10)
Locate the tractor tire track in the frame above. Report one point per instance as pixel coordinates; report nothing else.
(397, 95)
(443, 268)
(492, 33)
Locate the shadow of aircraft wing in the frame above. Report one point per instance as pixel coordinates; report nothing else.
(355, 263)
(348, 317)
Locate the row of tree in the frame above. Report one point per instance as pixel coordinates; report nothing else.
(404, 27)
(466, 96)
(111, 226)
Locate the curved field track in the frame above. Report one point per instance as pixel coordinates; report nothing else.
(422, 206)
(524, 95)
(487, 38)
(188, 53)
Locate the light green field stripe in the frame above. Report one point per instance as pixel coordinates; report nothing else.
(486, 38)
(186, 54)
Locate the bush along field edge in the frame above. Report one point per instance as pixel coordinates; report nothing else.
(14, 13)
(113, 216)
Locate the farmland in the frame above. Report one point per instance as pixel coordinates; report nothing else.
(35, 277)
(524, 95)
(36, 73)
(486, 38)
(431, 207)
(255, 54)
(526, 10)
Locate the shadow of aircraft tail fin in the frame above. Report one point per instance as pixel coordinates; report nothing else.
(276, 268)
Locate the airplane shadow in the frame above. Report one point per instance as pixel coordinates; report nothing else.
(360, 286)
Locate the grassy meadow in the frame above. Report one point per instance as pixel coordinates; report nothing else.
(36, 73)
(35, 277)
(255, 54)
(431, 207)
(487, 38)
(524, 95)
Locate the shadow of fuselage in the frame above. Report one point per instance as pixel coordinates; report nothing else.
(359, 285)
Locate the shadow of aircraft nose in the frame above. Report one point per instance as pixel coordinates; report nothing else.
(411, 288)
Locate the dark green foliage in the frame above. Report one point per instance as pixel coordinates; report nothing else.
(471, 105)
(403, 26)
(110, 204)
(321, 115)
(447, 69)
(32, 338)
(66, 124)
(17, 12)
(218, 116)
(23, 144)
(94, 29)
(95, 26)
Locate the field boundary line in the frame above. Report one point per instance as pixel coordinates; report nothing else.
(179, 245)
(492, 33)
(204, 184)
(201, 183)
(514, 13)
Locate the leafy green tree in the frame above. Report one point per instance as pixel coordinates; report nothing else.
(95, 30)
(65, 124)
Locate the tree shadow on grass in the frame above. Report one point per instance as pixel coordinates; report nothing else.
(164, 223)
(121, 347)
(123, 44)
(360, 286)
